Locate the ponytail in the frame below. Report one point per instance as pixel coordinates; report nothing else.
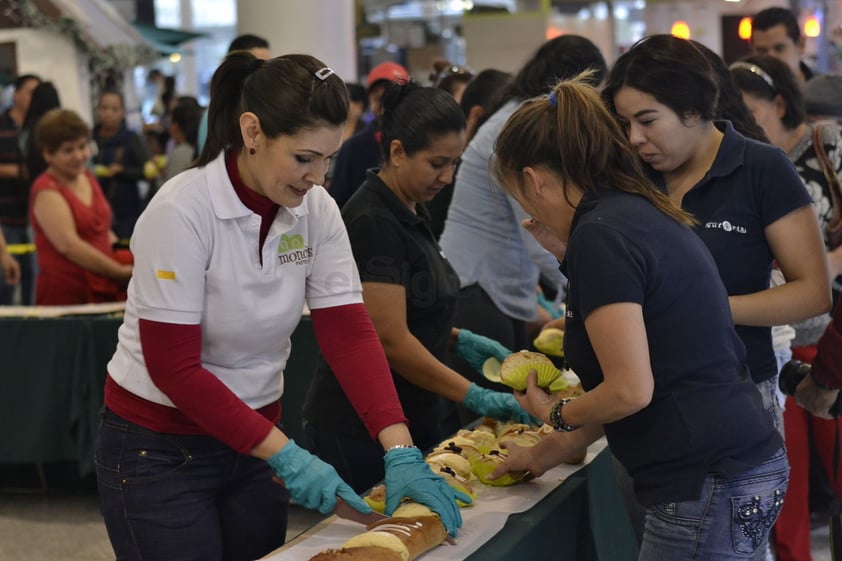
(225, 105)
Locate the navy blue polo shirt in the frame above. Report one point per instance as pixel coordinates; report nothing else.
(706, 415)
(749, 186)
(393, 245)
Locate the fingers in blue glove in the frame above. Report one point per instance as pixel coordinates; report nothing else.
(408, 476)
(311, 482)
(354, 500)
(476, 349)
(499, 405)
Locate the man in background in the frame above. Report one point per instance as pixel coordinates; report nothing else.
(14, 193)
(362, 151)
(775, 32)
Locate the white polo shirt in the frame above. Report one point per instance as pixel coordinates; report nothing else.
(196, 262)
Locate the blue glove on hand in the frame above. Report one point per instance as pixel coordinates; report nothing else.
(311, 482)
(554, 311)
(499, 405)
(408, 476)
(476, 349)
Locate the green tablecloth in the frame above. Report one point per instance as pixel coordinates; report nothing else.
(583, 519)
(52, 373)
(52, 378)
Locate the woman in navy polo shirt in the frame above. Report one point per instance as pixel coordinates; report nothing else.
(750, 205)
(410, 290)
(648, 331)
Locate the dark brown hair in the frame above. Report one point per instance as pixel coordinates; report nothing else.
(572, 133)
(58, 126)
(288, 93)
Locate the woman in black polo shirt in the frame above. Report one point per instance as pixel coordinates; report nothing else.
(409, 288)
(648, 331)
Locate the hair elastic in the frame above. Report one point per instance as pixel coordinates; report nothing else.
(553, 99)
(323, 73)
(756, 70)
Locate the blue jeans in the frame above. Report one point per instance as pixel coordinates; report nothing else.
(19, 235)
(773, 402)
(184, 497)
(731, 519)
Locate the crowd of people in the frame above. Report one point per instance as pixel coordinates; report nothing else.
(683, 210)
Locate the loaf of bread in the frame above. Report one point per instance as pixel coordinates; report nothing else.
(358, 554)
(408, 536)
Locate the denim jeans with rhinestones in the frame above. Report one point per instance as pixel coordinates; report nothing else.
(730, 520)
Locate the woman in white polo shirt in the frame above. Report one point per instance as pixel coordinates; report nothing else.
(226, 255)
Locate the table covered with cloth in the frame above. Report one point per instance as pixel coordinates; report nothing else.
(52, 377)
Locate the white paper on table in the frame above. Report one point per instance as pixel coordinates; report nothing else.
(481, 521)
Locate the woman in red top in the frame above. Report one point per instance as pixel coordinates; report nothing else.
(72, 219)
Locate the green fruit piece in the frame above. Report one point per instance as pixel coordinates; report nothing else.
(483, 467)
(550, 342)
(491, 369)
(376, 506)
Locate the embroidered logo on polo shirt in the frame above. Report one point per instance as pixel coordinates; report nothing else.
(293, 249)
(725, 226)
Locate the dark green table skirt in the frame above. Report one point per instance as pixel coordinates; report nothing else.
(52, 374)
(583, 519)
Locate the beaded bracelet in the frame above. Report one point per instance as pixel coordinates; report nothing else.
(557, 420)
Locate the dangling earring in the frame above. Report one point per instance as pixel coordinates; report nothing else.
(252, 151)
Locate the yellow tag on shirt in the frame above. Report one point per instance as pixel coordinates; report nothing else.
(166, 275)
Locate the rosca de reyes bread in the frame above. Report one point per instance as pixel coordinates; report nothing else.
(358, 554)
(516, 367)
(408, 536)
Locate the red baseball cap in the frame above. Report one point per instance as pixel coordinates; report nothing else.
(391, 71)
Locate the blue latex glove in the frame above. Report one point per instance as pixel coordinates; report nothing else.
(476, 349)
(311, 482)
(499, 405)
(408, 476)
(554, 311)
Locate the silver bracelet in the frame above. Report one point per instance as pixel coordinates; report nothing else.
(397, 446)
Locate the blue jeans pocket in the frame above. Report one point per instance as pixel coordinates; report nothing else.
(753, 515)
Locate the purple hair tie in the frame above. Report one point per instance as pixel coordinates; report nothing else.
(553, 99)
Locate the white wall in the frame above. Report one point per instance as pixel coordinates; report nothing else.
(324, 29)
(502, 42)
(54, 58)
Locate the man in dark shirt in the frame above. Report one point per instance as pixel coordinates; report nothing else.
(362, 151)
(14, 189)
